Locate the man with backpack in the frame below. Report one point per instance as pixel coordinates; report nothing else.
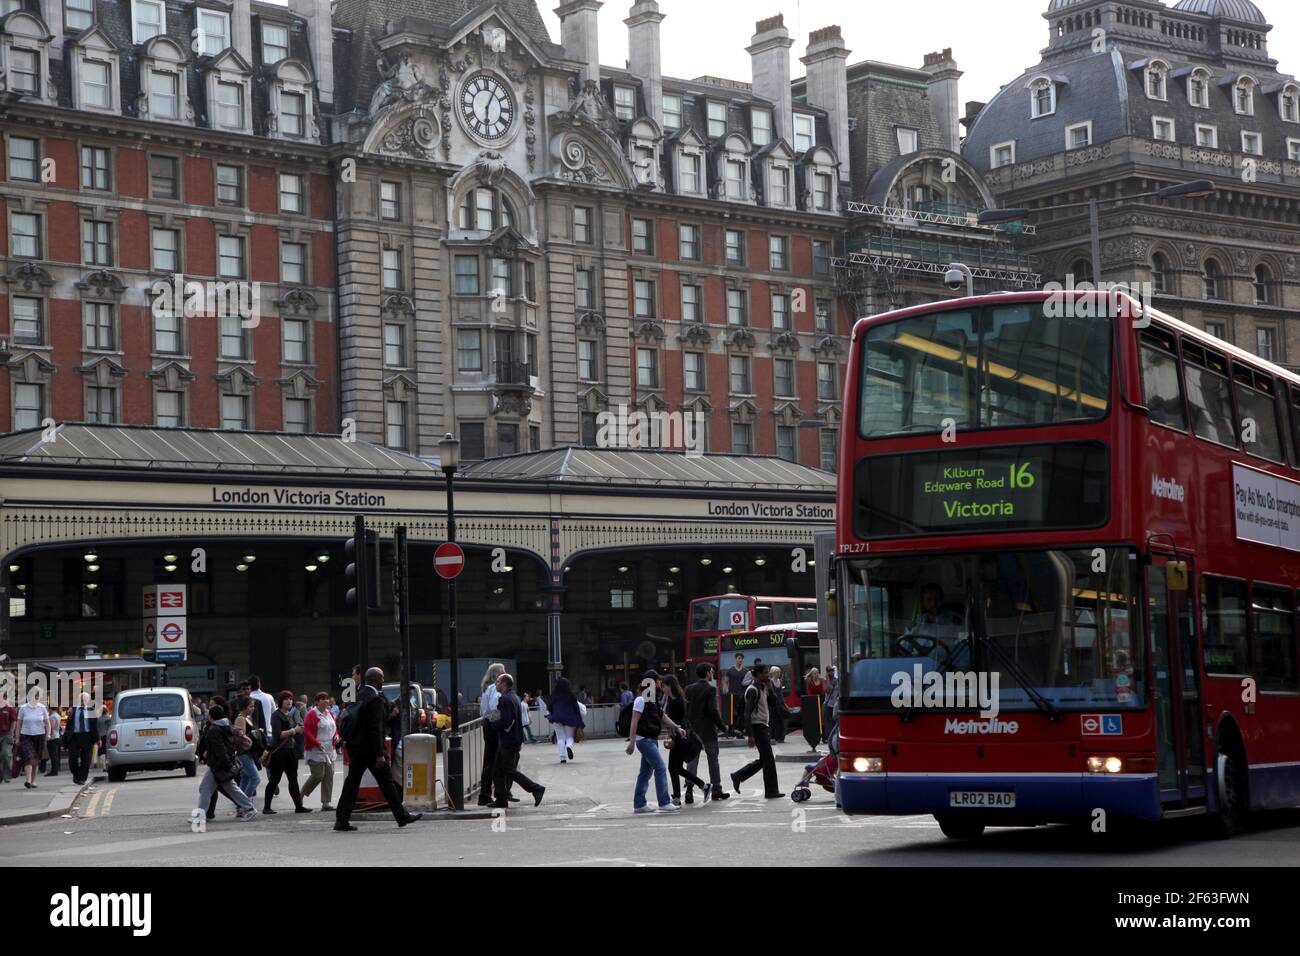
(757, 723)
(217, 750)
(641, 721)
(361, 727)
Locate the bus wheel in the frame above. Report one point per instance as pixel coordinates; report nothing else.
(1234, 806)
(959, 828)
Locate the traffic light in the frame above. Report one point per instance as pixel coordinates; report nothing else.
(354, 552)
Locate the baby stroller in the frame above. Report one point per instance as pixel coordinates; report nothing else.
(821, 773)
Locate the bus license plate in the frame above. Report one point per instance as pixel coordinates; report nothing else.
(981, 798)
(155, 732)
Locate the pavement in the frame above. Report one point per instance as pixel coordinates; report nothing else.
(52, 797)
(586, 819)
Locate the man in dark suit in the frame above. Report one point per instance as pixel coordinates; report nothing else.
(703, 717)
(83, 731)
(366, 752)
(510, 739)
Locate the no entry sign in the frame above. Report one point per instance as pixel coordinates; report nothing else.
(449, 560)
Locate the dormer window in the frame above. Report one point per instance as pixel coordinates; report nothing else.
(275, 42)
(735, 175)
(804, 133)
(1003, 154)
(1078, 136)
(760, 124)
(1252, 144)
(164, 95)
(672, 111)
(1198, 88)
(689, 164)
(293, 114)
(149, 19)
(24, 71)
(291, 102)
(1243, 96)
(1157, 80)
(1042, 98)
(214, 31)
(162, 91)
(690, 173)
(96, 84)
(1207, 137)
(625, 102)
(230, 105)
(907, 141)
(779, 193)
(822, 192)
(1288, 103)
(78, 14)
(717, 120)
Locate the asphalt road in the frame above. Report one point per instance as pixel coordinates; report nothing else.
(586, 819)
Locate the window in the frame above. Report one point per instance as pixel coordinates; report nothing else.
(742, 439)
(907, 140)
(291, 193)
(672, 111)
(467, 275)
(588, 367)
(230, 258)
(214, 32)
(96, 79)
(1288, 104)
(829, 449)
(25, 235)
(275, 42)
(1211, 279)
(28, 327)
(230, 185)
(785, 442)
(642, 232)
(691, 304)
(97, 320)
(297, 415)
(1275, 643)
(164, 95)
(164, 177)
(1208, 394)
(230, 106)
(805, 136)
(168, 409)
(584, 280)
(390, 201)
(693, 371)
(234, 412)
(1224, 614)
(534, 438)
(1162, 128)
(779, 193)
(717, 120)
(1266, 343)
(29, 406)
(780, 311)
(1042, 98)
(167, 332)
(1156, 75)
(392, 268)
(825, 311)
(1160, 273)
(588, 429)
(1078, 136)
(1217, 329)
(149, 19)
(295, 340)
(647, 368)
(78, 14)
(293, 263)
(1254, 392)
(24, 159)
(165, 251)
(821, 250)
(530, 282)
(1252, 144)
(737, 307)
(735, 247)
(1003, 154)
(483, 210)
(1198, 89)
(688, 241)
(738, 367)
(826, 388)
(1263, 288)
(96, 243)
(469, 350)
(760, 126)
(582, 225)
(783, 369)
(234, 338)
(293, 113)
(778, 248)
(643, 298)
(625, 102)
(822, 192)
(1243, 98)
(1293, 149)
(101, 405)
(471, 441)
(503, 283)
(24, 71)
(690, 179)
(395, 430)
(1207, 137)
(1162, 386)
(394, 345)
(736, 188)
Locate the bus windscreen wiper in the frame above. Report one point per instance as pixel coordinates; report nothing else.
(1027, 685)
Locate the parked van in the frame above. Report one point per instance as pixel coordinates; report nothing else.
(152, 729)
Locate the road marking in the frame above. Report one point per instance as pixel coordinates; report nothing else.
(108, 801)
(600, 806)
(137, 846)
(89, 810)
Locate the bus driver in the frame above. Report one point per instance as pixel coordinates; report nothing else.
(935, 630)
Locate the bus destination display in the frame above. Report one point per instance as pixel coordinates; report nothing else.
(955, 494)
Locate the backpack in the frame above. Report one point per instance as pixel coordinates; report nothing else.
(623, 726)
(349, 721)
(648, 726)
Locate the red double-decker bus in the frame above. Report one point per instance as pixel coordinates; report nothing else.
(1088, 517)
(712, 617)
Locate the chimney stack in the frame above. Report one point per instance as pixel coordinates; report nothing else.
(943, 96)
(52, 14)
(578, 35)
(769, 51)
(646, 63)
(320, 37)
(241, 29)
(827, 87)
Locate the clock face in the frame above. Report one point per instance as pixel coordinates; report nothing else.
(487, 106)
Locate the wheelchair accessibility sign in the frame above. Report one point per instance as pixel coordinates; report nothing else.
(1101, 725)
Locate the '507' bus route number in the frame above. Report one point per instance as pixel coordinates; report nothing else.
(859, 547)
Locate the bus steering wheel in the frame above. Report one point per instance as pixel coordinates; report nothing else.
(921, 645)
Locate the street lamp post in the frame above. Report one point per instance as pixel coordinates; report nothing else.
(449, 458)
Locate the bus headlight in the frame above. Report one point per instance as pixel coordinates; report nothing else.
(1105, 765)
(861, 763)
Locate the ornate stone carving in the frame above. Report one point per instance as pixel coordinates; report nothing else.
(1120, 251)
(741, 339)
(397, 306)
(28, 277)
(296, 302)
(514, 403)
(1162, 150)
(491, 167)
(591, 322)
(649, 330)
(171, 376)
(589, 102)
(1291, 267)
(530, 125)
(417, 137)
(403, 83)
(829, 346)
(1210, 157)
(577, 164)
(1092, 154)
(696, 334)
(786, 342)
(102, 284)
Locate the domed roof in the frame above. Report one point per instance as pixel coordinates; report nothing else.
(1061, 5)
(1242, 10)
